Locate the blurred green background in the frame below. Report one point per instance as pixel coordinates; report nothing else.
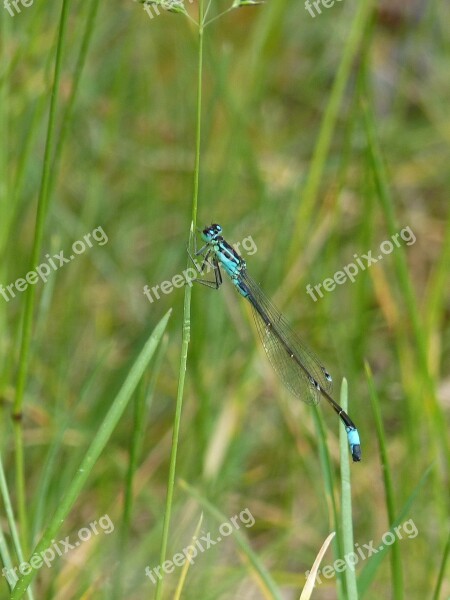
(276, 88)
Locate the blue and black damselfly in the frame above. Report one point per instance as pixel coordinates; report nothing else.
(299, 369)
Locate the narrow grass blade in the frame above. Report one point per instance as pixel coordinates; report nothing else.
(309, 586)
(6, 212)
(396, 563)
(41, 212)
(175, 435)
(26, 331)
(97, 446)
(4, 552)
(436, 301)
(5, 557)
(79, 67)
(142, 405)
(268, 585)
(327, 471)
(184, 571)
(349, 54)
(440, 578)
(404, 281)
(346, 499)
(186, 333)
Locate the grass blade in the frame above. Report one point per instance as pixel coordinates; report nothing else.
(6, 558)
(41, 214)
(142, 404)
(440, 578)
(309, 194)
(186, 333)
(25, 342)
(404, 280)
(327, 471)
(187, 564)
(309, 586)
(98, 444)
(396, 564)
(346, 499)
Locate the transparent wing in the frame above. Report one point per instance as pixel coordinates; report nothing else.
(281, 342)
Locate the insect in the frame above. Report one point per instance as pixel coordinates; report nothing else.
(298, 368)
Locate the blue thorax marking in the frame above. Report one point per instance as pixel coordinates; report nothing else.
(232, 263)
(227, 256)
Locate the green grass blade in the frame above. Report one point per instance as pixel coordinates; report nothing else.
(27, 323)
(79, 67)
(176, 432)
(396, 563)
(186, 333)
(322, 148)
(440, 578)
(328, 476)
(41, 213)
(4, 552)
(142, 404)
(436, 293)
(6, 212)
(346, 499)
(108, 425)
(404, 278)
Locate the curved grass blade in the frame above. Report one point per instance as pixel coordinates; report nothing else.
(310, 582)
(187, 564)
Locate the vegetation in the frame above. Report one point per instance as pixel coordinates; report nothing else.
(322, 139)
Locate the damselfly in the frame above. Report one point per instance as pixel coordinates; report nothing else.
(299, 368)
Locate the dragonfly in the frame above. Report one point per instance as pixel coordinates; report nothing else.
(298, 367)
